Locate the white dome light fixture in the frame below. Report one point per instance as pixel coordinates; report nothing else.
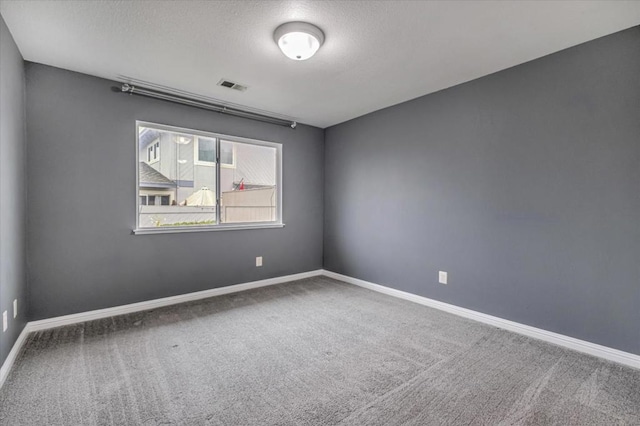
(298, 40)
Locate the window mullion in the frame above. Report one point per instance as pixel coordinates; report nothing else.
(218, 215)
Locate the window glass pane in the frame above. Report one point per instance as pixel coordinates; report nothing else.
(179, 192)
(178, 174)
(248, 190)
(206, 150)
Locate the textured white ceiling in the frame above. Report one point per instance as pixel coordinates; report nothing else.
(376, 53)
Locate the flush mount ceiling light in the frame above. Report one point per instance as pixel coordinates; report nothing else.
(298, 40)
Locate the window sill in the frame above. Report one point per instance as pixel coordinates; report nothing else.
(175, 230)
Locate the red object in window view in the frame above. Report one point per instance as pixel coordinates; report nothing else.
(241, 188)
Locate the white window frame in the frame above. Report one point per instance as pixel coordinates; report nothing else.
(277, 223)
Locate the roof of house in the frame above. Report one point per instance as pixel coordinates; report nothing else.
(151, 177)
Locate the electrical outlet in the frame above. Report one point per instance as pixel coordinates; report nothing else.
(442, 277)
(15, 308)
(259, 261)
(5, 321)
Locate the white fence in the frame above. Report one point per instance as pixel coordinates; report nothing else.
(249, 205)
(235, 214)
(154, 216)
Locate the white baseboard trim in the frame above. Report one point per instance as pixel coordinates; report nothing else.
(583, 346)
(165, 301)
(600, 351)
(137, 307)
(13, 354)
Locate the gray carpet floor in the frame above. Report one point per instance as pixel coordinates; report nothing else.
(309, 352)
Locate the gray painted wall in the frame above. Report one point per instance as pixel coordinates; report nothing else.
(82, 202)
(524, 185)
(13, 283)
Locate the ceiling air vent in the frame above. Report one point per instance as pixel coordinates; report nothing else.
(231, 85)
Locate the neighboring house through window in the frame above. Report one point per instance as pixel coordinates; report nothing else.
(205, 152)
(227, 154)
(153, 153)
(205, 180)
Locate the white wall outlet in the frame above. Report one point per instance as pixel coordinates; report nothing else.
(5, 321)
(15, 308)
(259, 261)
(442, 277)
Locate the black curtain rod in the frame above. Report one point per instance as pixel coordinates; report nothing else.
(183, 100)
